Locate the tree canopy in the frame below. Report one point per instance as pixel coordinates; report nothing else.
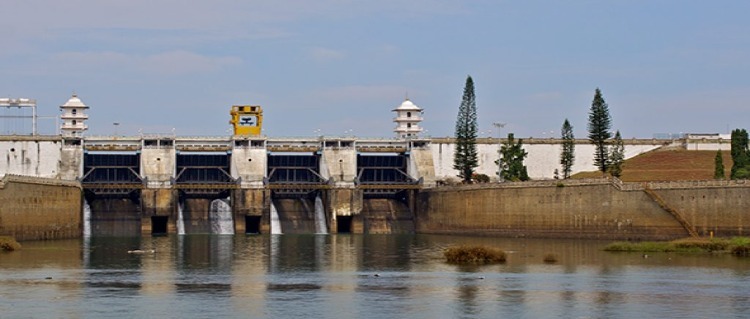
(740, 155)
(719, 166)
(512, 155)
(617, 156)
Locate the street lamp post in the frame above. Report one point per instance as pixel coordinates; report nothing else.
(499, 126)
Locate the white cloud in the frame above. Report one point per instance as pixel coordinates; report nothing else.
(325, 54)
(361, 92)
(183, 62)
(165, 63)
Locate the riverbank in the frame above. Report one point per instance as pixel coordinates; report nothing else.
(738, 246)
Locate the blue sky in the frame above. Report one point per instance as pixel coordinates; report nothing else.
(341, 66)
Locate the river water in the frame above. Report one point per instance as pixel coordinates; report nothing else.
(361, 276)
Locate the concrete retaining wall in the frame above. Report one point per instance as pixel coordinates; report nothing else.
(39, 208)
(584, 210)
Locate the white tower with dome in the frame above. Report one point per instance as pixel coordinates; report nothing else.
(408, 117)
(73, 117)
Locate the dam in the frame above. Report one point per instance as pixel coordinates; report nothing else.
(248, 183)
(168, 184)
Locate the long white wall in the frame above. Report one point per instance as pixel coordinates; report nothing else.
(543, 158)
(45, 157)
(41, 157)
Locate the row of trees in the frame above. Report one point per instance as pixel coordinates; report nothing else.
(609, 153)
(608, 157)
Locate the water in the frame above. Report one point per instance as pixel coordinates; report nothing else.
(86, 219)
(372, 276)
(220, 215)
(180, 219)
(320, 217)
(275, 223)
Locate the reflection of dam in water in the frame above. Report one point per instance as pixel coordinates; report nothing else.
(164, 184)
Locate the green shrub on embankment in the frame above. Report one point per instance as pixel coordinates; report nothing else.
(9, 244)
(474, 255)
(739, 246)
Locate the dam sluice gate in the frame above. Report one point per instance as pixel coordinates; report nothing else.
(226, 185)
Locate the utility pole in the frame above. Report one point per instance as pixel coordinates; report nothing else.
(499, 126)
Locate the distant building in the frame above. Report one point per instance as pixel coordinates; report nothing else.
(707, 141)
(408, 117)
(73, 117)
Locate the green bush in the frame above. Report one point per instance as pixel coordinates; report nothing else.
(474, 255)
(9, 244)
(480, 178)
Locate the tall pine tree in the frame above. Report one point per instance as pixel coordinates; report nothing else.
(567, 156)
(719, 166)
(617, 156)
(465, 157)
(599, 124)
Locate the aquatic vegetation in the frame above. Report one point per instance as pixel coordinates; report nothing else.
(8, 243)
(550, 258)
(474, 255)
(739, 246)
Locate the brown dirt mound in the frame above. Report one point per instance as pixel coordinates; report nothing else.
(669, 165)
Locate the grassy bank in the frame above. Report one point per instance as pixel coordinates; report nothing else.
(739, 246)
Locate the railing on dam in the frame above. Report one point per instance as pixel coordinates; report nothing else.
(199, 173)
(111, 173)
(295, 174)
(384, 174)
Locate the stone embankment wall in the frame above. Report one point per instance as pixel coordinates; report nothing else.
(586, 209)
(34, 208)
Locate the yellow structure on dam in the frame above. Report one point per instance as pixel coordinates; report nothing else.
(246, 119)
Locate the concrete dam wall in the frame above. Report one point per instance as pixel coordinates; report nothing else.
(34, 208)
(587, 209)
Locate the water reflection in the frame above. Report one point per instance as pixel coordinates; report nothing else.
(360, 276)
